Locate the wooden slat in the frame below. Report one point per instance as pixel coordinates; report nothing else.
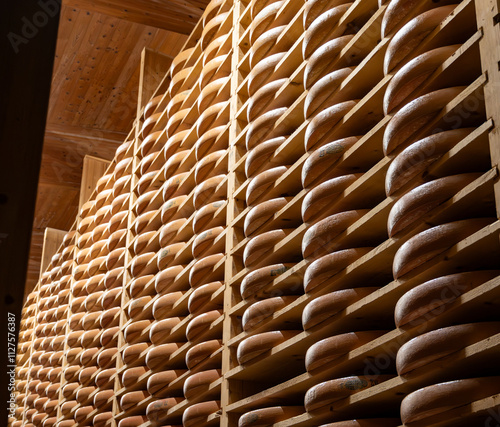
(93, 169)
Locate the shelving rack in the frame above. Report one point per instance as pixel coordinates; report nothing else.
(275, 116)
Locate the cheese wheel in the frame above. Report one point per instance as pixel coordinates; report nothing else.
(109, 337)
(431, 298)
(173, 206)
(202, 298)
(418, 202)
(328, 305)
(323, 29)
(200, 352)
(315, 8)
(161, 329)
(111, 299)
(132, 398)
(104, 378)
(259, 344)
(417, 157)
(373, 422)
(261, 310)
(163, 305)
(213, 140)
(264, 69)
(262, 100)
(214, 116)
(325, 268)
(206, 166)
(101, 419)
(211, 27)
(208, 216)
(259, 247)
(262, 213)
(216, 68)
(158, 383)
(321, 62)
(210, 190)
(157, 410)
(203, 272)
(172, 187)
(411, 34)
(434, 345)
(415, 115)
(268, 416)
(413, 74)
(262, 126)
(423, 404)
(198, 413)
(199, 383)
(259, 279)
(168, 280)
(263, 44)
(317, 240)
(430, 243)
(151, 106)
(175, 229)
(134, 354)
(84, 393)
(329, 349)
(132, 375)
(170, 254)
(261, 155)
(264, 19)
(208, 240)
(158, 355)
(86, 375)
(142, 284)
(107, 358)
(200, 324)
(262, 183)
(135, 332)
(134, 421)
(320, 165)
(330, 391)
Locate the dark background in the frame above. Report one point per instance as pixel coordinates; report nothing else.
(25, 75)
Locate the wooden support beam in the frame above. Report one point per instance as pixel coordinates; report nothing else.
(93, 169)
(52, 239)
(173, 15)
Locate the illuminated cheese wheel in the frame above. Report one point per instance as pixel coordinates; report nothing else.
(268, 416)
(199, 383)
(199, 413)
(259, 344)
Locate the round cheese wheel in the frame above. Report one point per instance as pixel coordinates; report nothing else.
(428, 347)
(261, 310)
(323, 29)
(200, 324)
(210, 190)
(413, 74)
(160, 330)
(326, 267)
(199, 413)
(164, 304)
(132, 398)
(411, 207)
(327, 350)
(330, 391)
(268, 416)
(135, 332)
(411, 34)
(415, 115)
(430, 243)
(415, 159)
(320, 62)
(159, 355)
(259, 279)
(262, 154)
(264, 19)
(134, 421)
(326, 306)
(101, 419)
(202, 298)
(203, 272)
(264, 69)
(105, 377)
(158, 383)
(317, 240)
(433, 297)
(259, 344)
(168, 280)
(262, 213)
(423, 404)
(134, 354)
(199, 383)
(157, 410)
(200, 352)
(260, 246)
(142, 284)
(264, 44)
(262, 183)
(373, 422)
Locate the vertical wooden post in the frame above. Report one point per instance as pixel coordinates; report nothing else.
(227, 390)
(154, 66)
(52, 239)
(488, 20)
(93, 169)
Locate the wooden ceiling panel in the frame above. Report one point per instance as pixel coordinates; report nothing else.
(94, 93)
(179, 16)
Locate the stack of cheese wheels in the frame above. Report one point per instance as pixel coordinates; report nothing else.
(322, 178)
(204, 330)
(271, 96)
(27, 343)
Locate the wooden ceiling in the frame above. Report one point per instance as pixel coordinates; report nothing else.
(93, 100)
